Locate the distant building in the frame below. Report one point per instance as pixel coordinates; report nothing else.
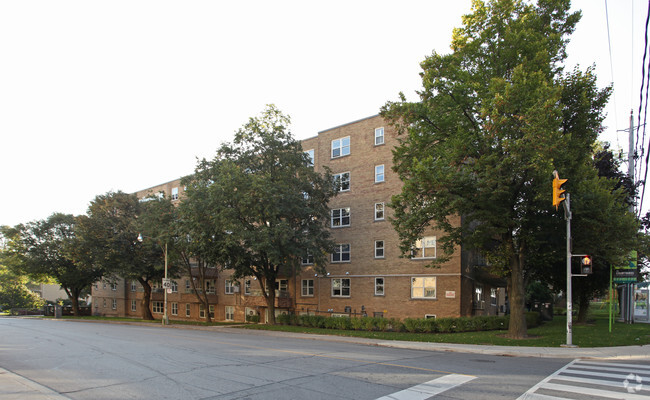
(366, 275)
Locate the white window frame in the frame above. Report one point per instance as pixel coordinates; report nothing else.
(201, 311)
(134, 286)
(307, 260)
(210, 286)
(114, 287)
(379, 136)
(307, 288)
(420, 285)
(340, 217)
(380, 286)
(114, 305)
(174, 287)
(174, 193)
(379, 173)
(380, 211)
(310, 154)
(340, 250)
(343, 180)
(229, 286)
(134, 305)
(229, 313)
(380, 247)
(174, 308)
(428, 251)
(493, 296)
(340, 286)
(188, 310)
(247, 286)
(340, 147)
(157, 307)
(211, 310)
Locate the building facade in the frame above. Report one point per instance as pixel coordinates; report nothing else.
(366, 275)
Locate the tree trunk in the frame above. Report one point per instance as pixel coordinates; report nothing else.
(269, 294)
(146, 300)
(74, 298)
(517, 295)
(583, 307)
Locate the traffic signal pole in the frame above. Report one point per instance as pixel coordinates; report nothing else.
(569, 293)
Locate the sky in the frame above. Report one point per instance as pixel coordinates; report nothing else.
(99, 96)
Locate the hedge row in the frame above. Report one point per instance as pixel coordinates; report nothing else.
(413, 325)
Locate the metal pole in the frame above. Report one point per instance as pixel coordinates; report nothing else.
(165, 320)
(611, 297)
(569, 294)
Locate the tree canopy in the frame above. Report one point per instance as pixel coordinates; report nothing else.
(495, 117)
(259, 206)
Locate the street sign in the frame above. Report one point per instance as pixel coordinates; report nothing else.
(624, 276)
(166, 283)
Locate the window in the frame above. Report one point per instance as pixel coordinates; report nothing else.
(247, 287)
(379, 286)
(210, 286)
(379, 249)
(175, 193)
(429, 316)
(342, 181)
(310, 154)
(341, 287)
(424, 248)
(134, 305)
(379, 211)
(174, 308)
(493, 297)
(341, 147)
(379, 173)
(478, 296)
(187, 310)
(174, 287)
(211, 310)
(230, 288)
(307, 260)
(379, 136)
(201, 311)
(230, 313)
(157, 307)
(114, 306)
(104, 304)
(113, 286)
(307, 287)
(341, 253)
(340, 217)
(134, 286)
(423, 287)
(282, 285)
(188, 287)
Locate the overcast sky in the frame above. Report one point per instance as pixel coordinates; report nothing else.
(124, 95)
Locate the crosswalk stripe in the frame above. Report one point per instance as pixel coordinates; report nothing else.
(572, 378)
(431, 388)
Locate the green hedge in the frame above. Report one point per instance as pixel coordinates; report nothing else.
(414, 325)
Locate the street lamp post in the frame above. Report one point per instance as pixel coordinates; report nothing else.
(165, 319)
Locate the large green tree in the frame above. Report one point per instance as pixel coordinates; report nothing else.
(260, 204)
(115, 221)
(50, 248)
(494, 119)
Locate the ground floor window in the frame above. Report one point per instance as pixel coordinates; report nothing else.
(174, 308)
(157, 307)
(379, 286)
(493, 297)
(341, 287)
(307, 287)
(211, 309)
(187, 310)
(134, 305)
(114, 306)
(230, 313)
(201, 311)
(423, 287)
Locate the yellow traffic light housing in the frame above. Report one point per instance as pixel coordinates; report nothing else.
(557, 190)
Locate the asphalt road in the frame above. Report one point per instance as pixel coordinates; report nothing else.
(108, 361)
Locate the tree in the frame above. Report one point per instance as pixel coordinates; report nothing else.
(111, 229)
(50, 249)
(259, 206)
(492, 123)
(13, 285)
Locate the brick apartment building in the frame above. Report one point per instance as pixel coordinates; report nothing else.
(365, 276)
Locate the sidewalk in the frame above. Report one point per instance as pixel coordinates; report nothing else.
(15, 387)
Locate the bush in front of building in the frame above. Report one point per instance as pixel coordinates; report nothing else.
(412, 325)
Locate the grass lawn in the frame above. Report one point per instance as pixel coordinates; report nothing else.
(550, 334)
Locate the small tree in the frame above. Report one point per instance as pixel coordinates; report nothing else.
(263, 207)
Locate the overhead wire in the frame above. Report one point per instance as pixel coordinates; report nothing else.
(641, 106)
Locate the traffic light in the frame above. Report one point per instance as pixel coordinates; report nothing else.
(557, 189)
(585, 265)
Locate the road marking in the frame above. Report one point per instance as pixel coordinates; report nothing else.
(431, 388)
(618, 384)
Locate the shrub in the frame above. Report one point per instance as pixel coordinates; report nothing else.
(253, 318)
(533, 319)
(447, 325)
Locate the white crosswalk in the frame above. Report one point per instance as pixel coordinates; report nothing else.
(429, 389)
(583, 379)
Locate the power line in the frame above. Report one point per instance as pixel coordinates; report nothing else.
(643, 76)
